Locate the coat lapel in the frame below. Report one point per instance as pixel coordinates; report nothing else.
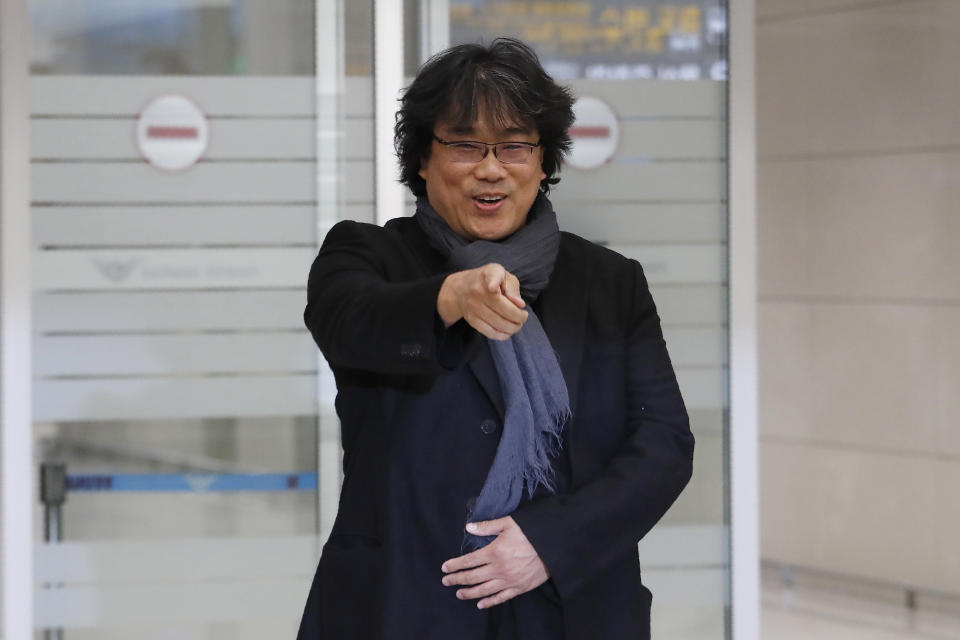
(562, 309)
(563, 313)
(481, 363)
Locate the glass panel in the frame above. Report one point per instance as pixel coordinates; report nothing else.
(178, 195)
(647, 177)
(613, 39)
(172, 37)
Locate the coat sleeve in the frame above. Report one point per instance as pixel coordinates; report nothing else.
(581, 534)
(364, 316)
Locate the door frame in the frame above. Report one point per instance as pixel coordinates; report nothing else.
(742, 250)
(16, 404)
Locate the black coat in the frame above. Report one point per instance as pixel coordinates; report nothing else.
(420, 410)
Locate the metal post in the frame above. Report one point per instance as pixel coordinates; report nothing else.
(387, 86)
(53, 493)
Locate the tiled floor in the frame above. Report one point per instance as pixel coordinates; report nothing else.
(806, 605)
(778, 624)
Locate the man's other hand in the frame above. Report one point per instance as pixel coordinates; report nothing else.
(505, 568)
(487, 297)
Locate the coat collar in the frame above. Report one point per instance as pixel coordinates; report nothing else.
(562, 309)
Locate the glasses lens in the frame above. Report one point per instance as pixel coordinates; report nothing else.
(466, 151)
(512, 153)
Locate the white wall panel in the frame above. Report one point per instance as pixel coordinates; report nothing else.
(696, 346)
(74, 269)
(174, 398)
(175, 560)
(689, 588)
(769, 10)
(708, 422)
(125, 226)
(641, 223)
(702, 387)
(874, 79)
(671, 139)
(690, 304)
(157, 311)
(703, 501)
(207, 182)
(875, 226)
(172, 355)
(217, 95)
(645, 181)
(877, 377)
(107, 606)
(357, 138)
(137, 182)
(256, 138)
(652, 98)
(675, 264)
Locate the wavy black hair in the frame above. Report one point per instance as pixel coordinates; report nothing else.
(504, 81)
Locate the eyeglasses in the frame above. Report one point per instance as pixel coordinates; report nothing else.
(505, 152)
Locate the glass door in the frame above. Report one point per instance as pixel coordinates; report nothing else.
(187, 157)
(648, 178)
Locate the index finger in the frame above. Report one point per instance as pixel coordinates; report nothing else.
(468, 561)
(493, 275)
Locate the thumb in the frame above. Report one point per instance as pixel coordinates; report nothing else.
(487, 527)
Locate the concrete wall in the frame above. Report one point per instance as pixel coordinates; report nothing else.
(859, 260)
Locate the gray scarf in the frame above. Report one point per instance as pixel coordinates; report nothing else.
(535, 395)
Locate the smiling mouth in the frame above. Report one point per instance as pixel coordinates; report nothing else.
(489, 199)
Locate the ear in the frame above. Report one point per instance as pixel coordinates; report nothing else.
(423, 167)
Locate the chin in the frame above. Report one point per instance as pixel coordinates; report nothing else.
(490, 233)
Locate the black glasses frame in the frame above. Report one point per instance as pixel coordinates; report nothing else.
(496, 147)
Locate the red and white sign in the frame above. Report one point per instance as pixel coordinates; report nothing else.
(172, 133)
(595, 133)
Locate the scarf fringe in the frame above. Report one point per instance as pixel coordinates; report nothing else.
(547, 446)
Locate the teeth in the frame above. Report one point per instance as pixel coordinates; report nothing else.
(490, 200)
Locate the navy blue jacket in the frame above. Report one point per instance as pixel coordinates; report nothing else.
(420, 411)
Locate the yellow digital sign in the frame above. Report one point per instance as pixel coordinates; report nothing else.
(653, 38)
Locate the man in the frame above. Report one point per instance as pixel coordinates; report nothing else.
(511, 421)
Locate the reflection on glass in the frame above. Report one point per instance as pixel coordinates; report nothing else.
(615, 39)
(172, 37)
(154, 451)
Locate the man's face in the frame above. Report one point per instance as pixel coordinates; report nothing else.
(486, 200)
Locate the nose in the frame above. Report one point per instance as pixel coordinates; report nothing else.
(489, 169)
